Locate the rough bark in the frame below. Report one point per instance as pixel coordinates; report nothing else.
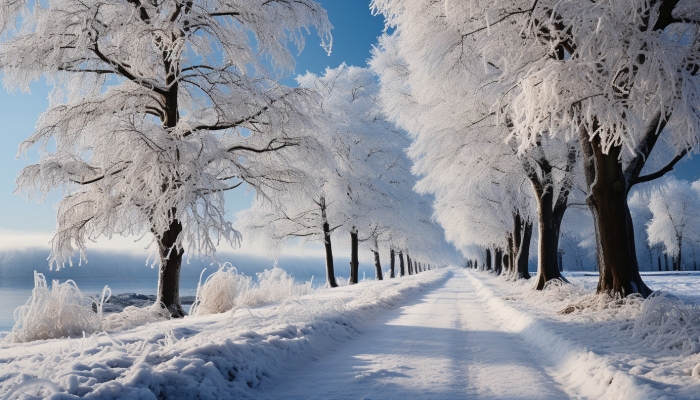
(614, 233)
(330, 269)
(377, 266)
(409, 263)
(402, 271)
(169, 273)
(392, 263)
(354, 260)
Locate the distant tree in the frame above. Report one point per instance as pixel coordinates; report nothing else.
(675, 209)
(157, 109)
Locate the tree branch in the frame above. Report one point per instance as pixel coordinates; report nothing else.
(663, 171)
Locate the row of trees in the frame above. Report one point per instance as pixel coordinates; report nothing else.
(569, 97)
(160, 107)
(360, 184)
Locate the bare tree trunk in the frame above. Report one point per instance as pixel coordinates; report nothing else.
(377, 266)
(548, 246)
(678, 264)
(330, 270)
(392, 262)
(524, 251)
(488, 259)
(409, 263)
(498, 265)
(517, 242)
(354, 260)
(402, 271)
(509, 258)
(666, 261)
(169, 272)
(607, 200)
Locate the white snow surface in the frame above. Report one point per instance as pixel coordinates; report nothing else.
(446, 333)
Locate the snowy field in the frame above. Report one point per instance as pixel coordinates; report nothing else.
(448, 333)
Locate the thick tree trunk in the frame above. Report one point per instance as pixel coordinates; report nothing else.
(377, 266)
(548, 246)
(409, 263)
(607, 200)
(169, 273)
(354, 260)
(392, 263)
(488, 259)
(524, 251)
(402, 271)
(330, 269)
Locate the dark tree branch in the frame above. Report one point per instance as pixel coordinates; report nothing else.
(663, 171)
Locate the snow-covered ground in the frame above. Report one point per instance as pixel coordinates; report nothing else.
(448, 333)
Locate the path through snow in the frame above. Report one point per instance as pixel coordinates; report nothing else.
(445, 345)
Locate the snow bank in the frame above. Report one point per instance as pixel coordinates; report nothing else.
(224, 355)
(587, 373)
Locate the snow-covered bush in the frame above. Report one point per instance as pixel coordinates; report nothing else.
(219, 292)
(226, 289)
(667, 322)
(63, 310)
(275, 285)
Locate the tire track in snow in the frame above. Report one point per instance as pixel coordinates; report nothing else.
(443, 345)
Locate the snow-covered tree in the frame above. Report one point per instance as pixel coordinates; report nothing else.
(675, 209)
(158, 108)
(361, 185)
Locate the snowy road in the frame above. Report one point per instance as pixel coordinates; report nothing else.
(443, 345)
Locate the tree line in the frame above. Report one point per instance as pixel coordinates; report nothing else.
(159, 108)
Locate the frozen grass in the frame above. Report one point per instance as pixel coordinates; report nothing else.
(226, 289)
(275, 285)
(63, 310)
(132, 317)
(667, 322)
(219, 292)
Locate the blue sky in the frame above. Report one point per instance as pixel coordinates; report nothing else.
(355, 31)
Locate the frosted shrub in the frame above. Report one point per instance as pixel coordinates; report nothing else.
(275, 285)
(667, 322)
(219, 292)
(63, 310)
